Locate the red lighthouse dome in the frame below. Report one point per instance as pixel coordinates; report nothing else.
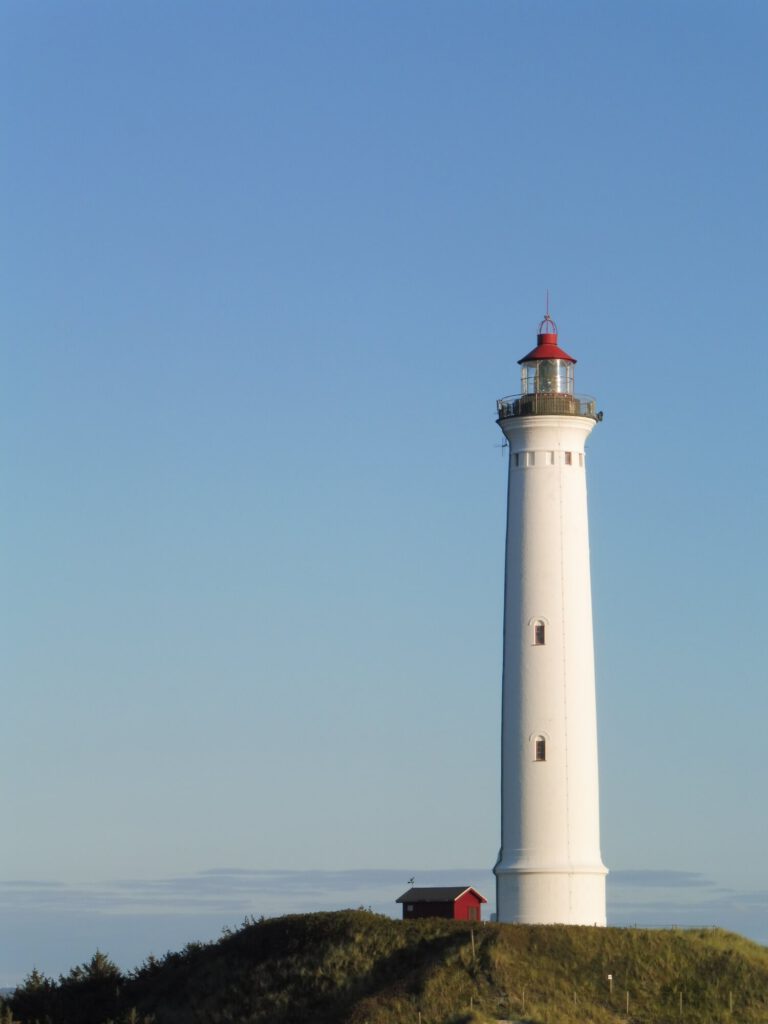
(546, 344)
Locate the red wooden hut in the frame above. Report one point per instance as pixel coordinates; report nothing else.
(460, 902)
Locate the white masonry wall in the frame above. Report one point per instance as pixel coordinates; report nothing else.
(549, 868)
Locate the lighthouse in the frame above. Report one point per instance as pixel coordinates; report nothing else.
(549, 868)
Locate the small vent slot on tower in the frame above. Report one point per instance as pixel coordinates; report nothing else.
(539, 749)
(539, 634)
(569, 458)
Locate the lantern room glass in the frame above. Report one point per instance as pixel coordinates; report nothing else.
(547, 376)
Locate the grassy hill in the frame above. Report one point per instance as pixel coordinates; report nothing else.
(356, 967)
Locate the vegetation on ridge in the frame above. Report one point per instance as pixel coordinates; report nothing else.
(356, 967)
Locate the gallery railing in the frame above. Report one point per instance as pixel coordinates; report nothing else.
(542, 403)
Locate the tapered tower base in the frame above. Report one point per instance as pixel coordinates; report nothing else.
(551, 897)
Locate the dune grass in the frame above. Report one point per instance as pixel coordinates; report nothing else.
(356, 967)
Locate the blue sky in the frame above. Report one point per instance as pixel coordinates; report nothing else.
(265, 269)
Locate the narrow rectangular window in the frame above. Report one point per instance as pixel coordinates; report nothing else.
(517, 458)
(539, 634)
(581, 459)
(540, 749)
(569, 458)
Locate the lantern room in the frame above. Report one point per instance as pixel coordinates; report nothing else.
(547, 382)
(547, 369)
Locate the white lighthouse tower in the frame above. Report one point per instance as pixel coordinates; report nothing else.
(549, 868)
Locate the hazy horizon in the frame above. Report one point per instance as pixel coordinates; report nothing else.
(54, 927)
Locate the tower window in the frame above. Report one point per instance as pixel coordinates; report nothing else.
(569, 458)
(539, 634)
(517, 458)
(539, 749)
